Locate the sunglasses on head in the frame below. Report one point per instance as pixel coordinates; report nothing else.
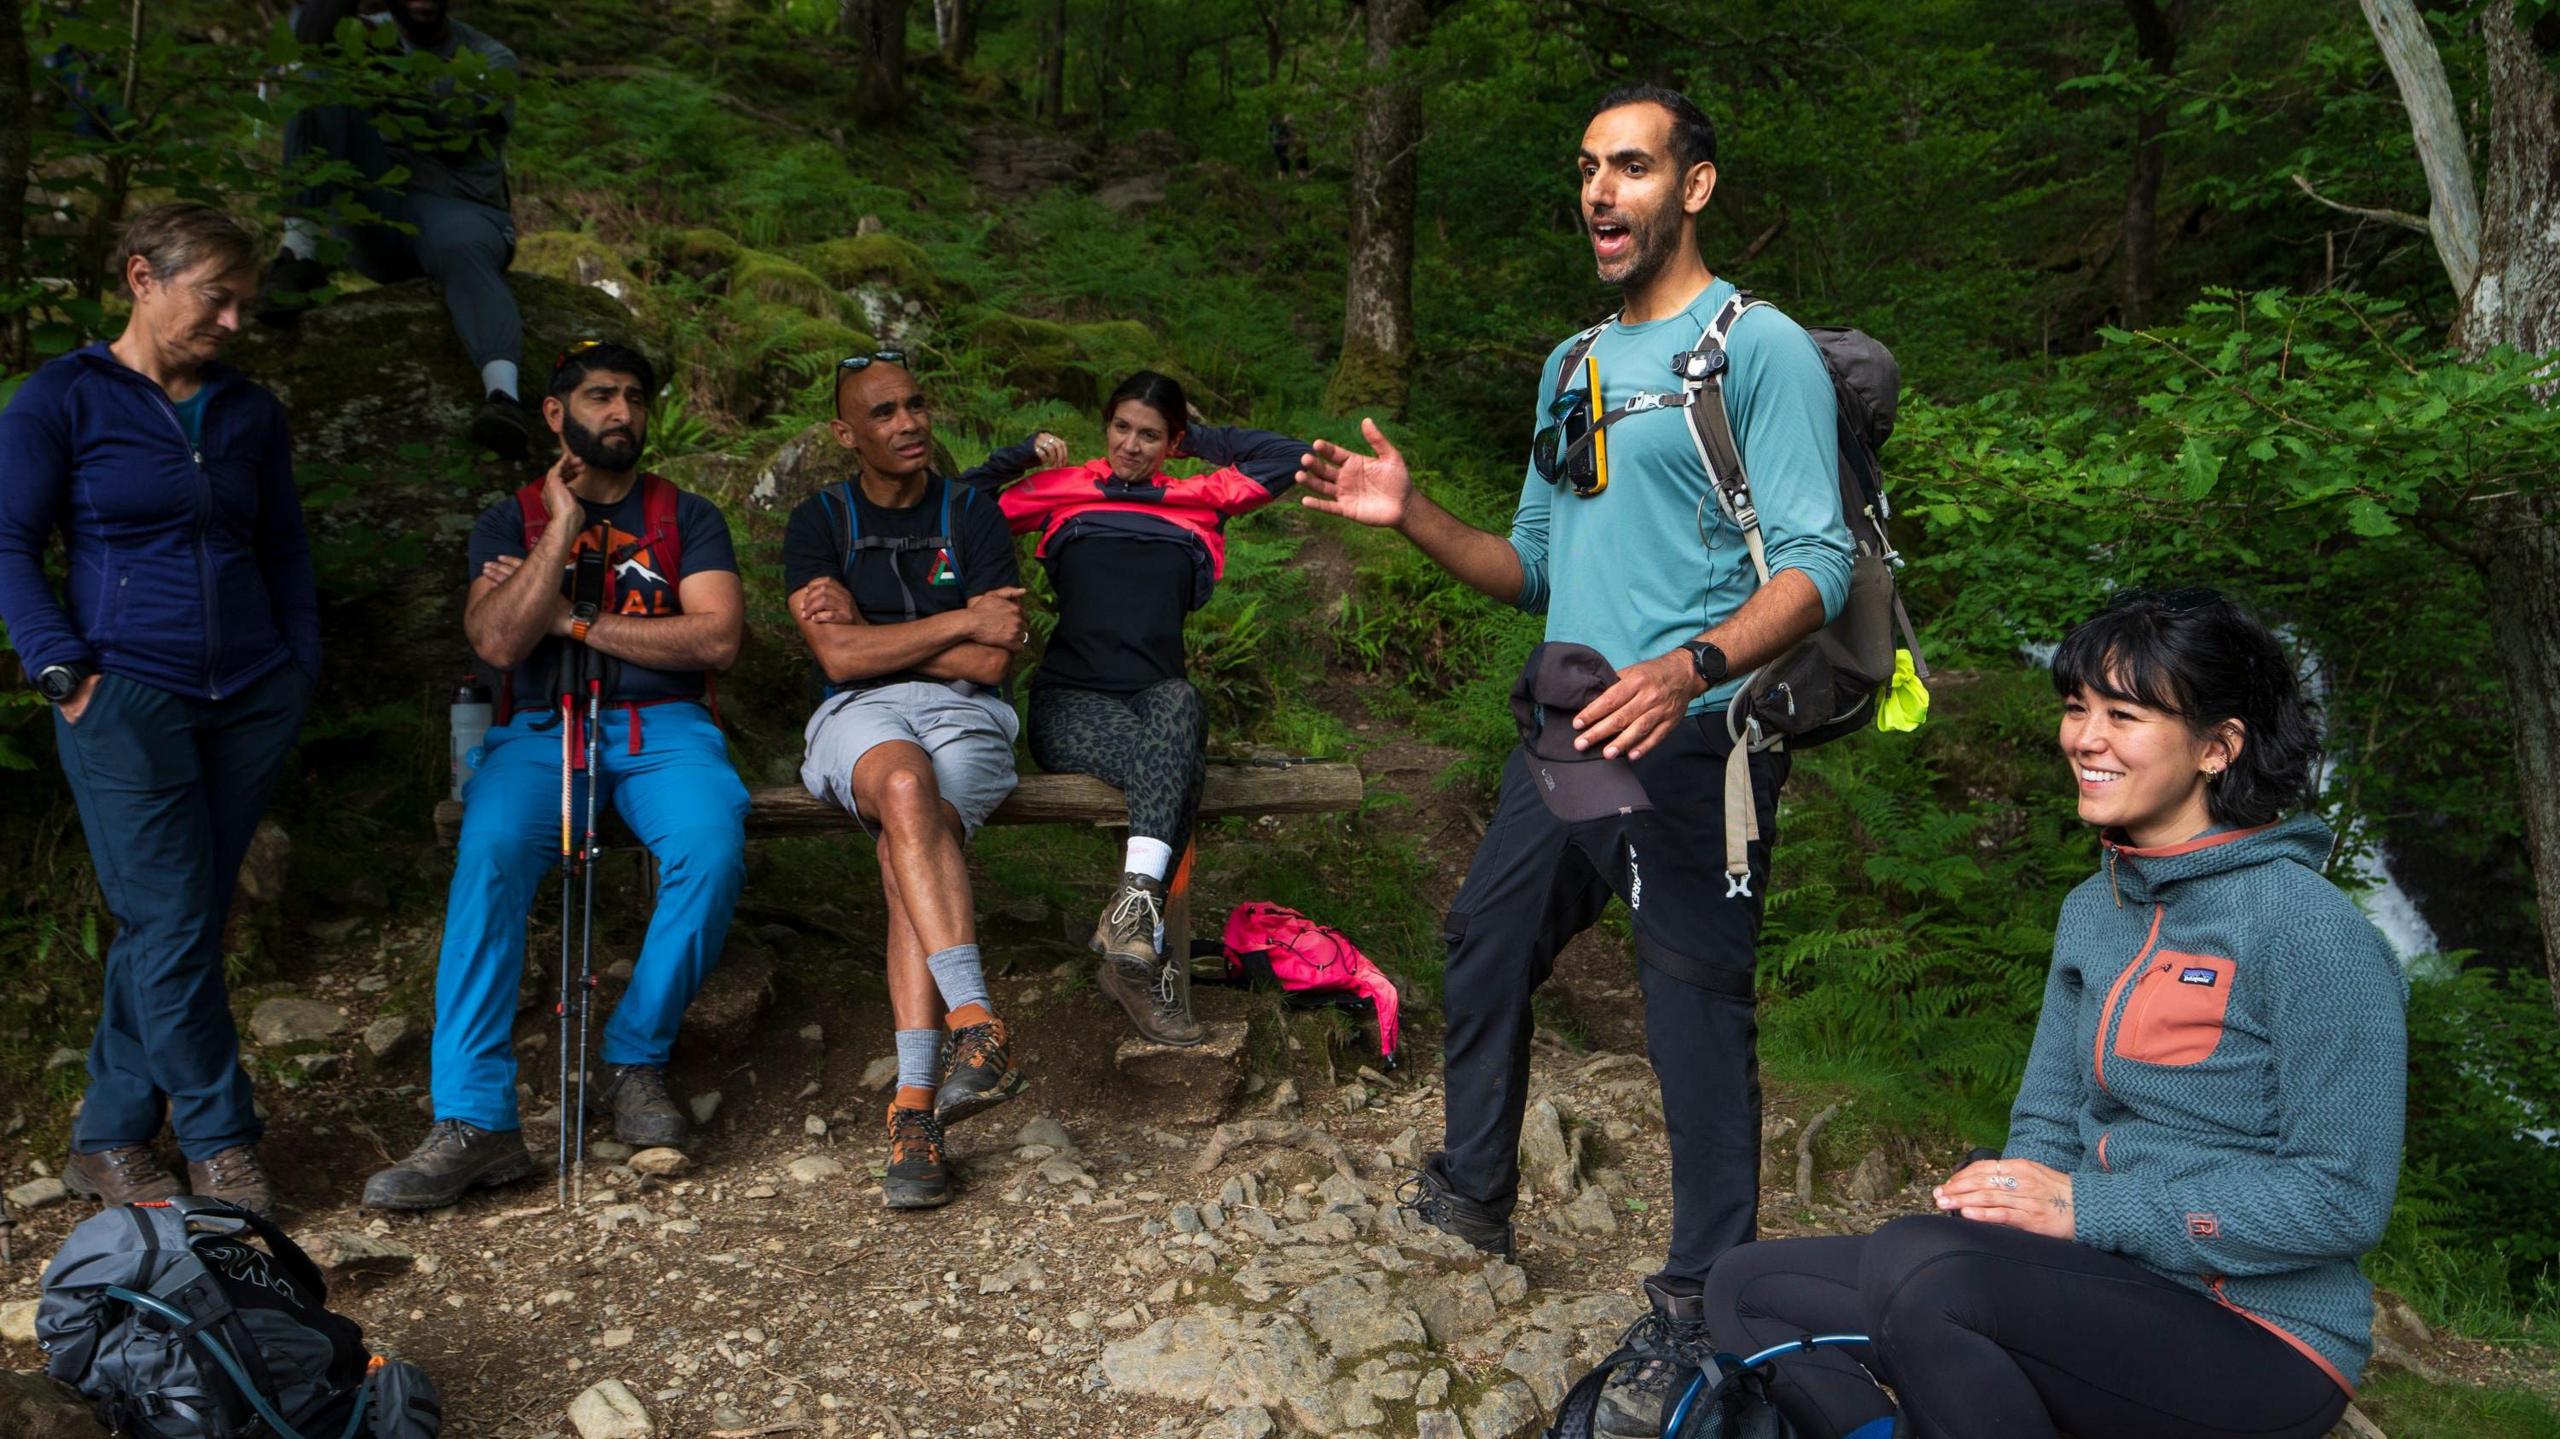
(855, 364)
(576, 348)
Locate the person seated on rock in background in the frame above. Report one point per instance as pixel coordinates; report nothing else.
(2208, 1133)
(673, 613)
(454, 200)
(1132, 550)
(904, 585)
(179, 657)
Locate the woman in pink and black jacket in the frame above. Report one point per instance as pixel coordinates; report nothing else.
(1132, 551)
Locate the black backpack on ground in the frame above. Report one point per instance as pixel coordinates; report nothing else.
(1728, 1399)
(168, 1320)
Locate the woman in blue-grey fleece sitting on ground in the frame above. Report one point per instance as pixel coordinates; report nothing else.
(2208, 1133)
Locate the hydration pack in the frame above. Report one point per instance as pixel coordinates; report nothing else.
(1728, 1398)
(174, 1325)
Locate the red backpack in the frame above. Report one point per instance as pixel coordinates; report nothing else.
(1313, 963)
(658, 537)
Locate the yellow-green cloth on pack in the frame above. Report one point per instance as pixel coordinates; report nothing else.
(1906, 699)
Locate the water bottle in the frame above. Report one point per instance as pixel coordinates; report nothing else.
(471, 715)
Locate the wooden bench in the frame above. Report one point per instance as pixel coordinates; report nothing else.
(1243, 789)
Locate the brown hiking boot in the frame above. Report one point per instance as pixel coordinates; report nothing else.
(1127, 929)
(126, 1174)
(978, 1072)
(919, 1173)
(1154, 992)
(234, 1176)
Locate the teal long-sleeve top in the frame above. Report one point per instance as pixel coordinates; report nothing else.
(1650, 562)
(2222, 1069)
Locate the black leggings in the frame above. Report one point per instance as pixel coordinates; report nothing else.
(1984, 1331)
(1151, 744)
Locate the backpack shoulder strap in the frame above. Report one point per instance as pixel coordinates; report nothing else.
(660, 503)
(1702, 371)
(1574, 349)
(533, 514)
(852, 520)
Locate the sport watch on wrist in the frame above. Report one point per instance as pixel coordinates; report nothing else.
(1707, 660)
(58, 683)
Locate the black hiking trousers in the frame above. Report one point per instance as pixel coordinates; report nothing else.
(1983, 1330)
(1535, 883)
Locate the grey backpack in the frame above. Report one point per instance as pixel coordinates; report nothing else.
(175, 1326)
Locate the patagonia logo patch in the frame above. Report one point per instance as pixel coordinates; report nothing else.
(2197, 974)
(2204, 1226)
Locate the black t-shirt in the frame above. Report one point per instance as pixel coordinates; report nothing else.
(637, 585)
(1121, 602)
(911, 565)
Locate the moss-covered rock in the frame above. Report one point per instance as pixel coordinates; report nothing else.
(769, 350)
(876, 259)
(1076, 363)
(580, 259)
(701, 253)
(761, 276)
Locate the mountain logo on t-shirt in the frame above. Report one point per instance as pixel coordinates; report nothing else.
(638, 586)
(944, 572)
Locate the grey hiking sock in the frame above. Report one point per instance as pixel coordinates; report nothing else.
(960, 975)
(919, 1058)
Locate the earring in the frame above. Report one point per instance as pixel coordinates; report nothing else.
(2213, 775)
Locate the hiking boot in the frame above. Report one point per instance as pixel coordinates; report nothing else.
(919, 1174)
(644, 1115)
(234, 1176)
(454, 1159)
(503, 427)
(1674, 1340)
(1154, 991)
(1427, 1196)
(978, 1073)
(126, 1174)
(288, 288)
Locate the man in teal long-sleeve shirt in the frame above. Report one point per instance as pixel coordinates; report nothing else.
(1627, 553)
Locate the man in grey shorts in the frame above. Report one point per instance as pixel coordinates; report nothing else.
(905, 587)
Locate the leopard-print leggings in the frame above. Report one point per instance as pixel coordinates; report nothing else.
(1151, 744)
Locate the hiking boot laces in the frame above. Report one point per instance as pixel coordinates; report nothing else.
(1674, 1343)
(1420, 1197)
(236, 1168)
(914, 1134)
(445, 1136)
(1168, 987)
(976, 1046)
(1137, 911)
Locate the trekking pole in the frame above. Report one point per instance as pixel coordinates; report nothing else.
(568, 890)
(587, 912)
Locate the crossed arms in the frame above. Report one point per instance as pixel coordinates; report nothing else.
(978, 643)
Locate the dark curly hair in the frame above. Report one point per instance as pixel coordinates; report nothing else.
(2195, 654)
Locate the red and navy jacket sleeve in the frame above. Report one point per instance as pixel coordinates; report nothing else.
(1256, 466)
(1003, 466)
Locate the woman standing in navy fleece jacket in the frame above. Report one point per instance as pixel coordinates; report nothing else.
(178, 657)
(2207, 1137)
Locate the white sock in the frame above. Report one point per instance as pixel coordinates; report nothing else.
(499, 376)
(302, 239)
(1150, 857)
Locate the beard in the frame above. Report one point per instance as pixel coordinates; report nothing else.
(1654, 240)
(613, 451)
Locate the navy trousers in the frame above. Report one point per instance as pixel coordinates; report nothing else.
(170, 790)
(461, 245)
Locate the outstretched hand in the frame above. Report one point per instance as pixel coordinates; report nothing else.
(1367, 489)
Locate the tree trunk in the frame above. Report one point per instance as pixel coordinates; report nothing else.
(2501, 248)
(2155, 32)
(1053, 64)
(15, 114)
(878, 29)
(955, 25)
(116, 186)
(2515, 300)
(1377, 314)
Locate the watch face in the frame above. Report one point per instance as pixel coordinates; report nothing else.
(56, 683)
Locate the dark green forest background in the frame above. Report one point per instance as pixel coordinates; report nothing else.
(2158, 273)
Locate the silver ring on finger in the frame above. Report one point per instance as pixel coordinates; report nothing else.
(2008, 1182)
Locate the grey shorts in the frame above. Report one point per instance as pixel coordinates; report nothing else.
(967, 732)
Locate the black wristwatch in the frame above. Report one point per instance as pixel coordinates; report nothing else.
(1708, 660)
(58, 683)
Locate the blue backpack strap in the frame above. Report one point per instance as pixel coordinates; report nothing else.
(852, 523)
